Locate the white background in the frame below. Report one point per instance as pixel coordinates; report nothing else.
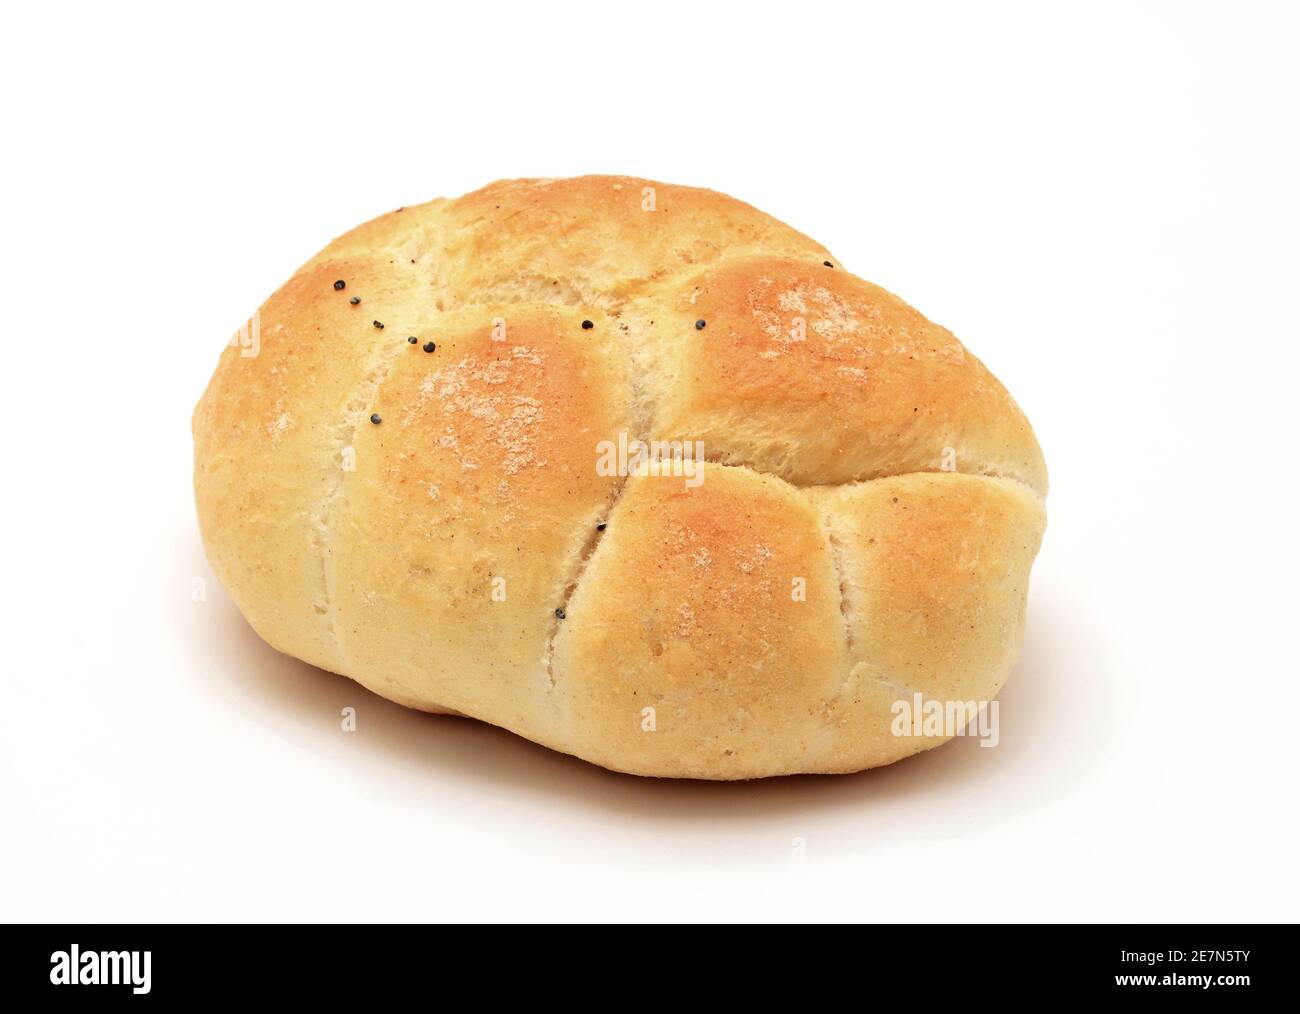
(1099, 200)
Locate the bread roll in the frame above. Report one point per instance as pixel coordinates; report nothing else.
(425, 467)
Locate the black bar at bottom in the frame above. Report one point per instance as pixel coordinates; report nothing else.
(138, 963)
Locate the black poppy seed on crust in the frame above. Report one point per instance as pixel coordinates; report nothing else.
(355, 300)
(429, 346)
(559, 614)
(828, 264)
(340, 284)
(378, 324)
(699, 324)
(376, 418)
(600, 527)
(587, 325)
(413, 340)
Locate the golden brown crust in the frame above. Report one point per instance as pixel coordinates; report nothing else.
(596, 240)
(768, 609)
(692, 606)
(934, 573)
(478, 494)
(806, 372)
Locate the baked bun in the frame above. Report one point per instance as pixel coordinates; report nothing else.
(451, 509)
